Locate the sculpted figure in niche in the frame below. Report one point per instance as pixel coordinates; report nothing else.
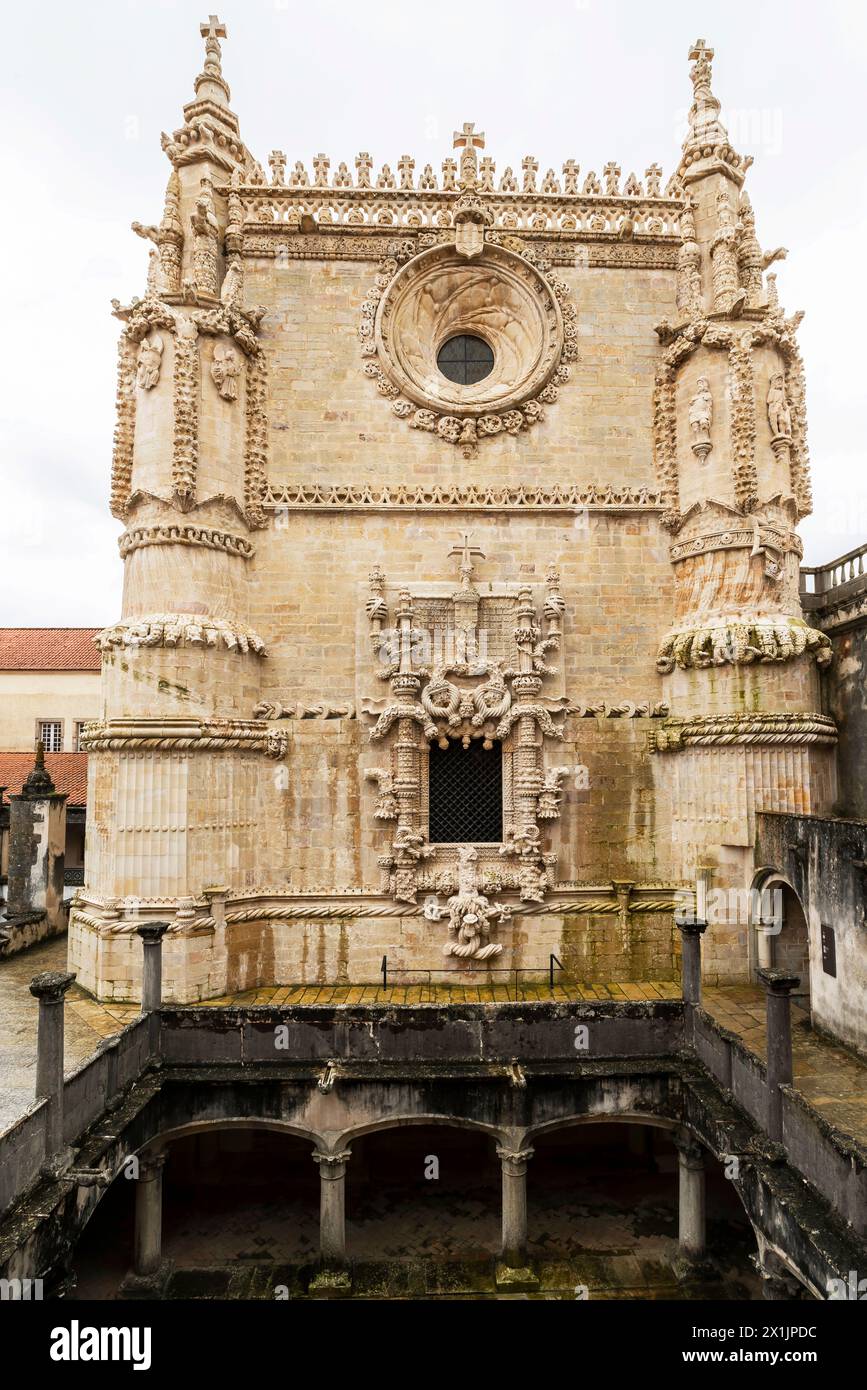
(225, 370)
(701, 418)
(779, 412)
(206, 233)
(148, 362)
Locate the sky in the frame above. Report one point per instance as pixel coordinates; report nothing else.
(85, 90)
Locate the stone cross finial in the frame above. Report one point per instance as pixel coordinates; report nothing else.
(466, 551)
(468, 140)
(530, 167)
(363, 164)
(405, 166)
(449, 171)
(611, 174)
(653, 176)
(701, 58)
(570, 176)
(212, 32)
(469, 137)
(277, 164)
(321, 166)
(214, 29)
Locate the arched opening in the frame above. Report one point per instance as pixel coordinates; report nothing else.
(240, 1212)
(421, 1194)
(782, 931)
(602, 1210)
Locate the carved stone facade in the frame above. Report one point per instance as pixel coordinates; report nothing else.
(339, 559)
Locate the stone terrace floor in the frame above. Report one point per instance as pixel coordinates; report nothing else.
(833, 1080)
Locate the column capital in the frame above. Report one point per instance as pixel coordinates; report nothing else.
(152, 933)
(50, 986)
(692, 1153)
(515, 1159)
(150, 1166)
(779, 982)
(692, 926)
(332, 1165)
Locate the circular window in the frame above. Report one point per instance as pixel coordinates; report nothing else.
(465, 359)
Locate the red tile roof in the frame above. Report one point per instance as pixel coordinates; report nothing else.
(68, 773)
(48, 649)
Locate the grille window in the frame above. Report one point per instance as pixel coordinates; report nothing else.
(465, 359)
(465, 794)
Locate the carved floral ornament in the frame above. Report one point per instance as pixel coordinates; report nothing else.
(479, 288)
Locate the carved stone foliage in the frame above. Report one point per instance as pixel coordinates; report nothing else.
(739, 642)
(471, 690)
(420, 301)
(139, 537)
(180, 630)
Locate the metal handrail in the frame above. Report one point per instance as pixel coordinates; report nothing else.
(514, 970)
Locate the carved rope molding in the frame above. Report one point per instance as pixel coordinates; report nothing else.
(707, 731)
(181, 629)
(180, 534)
(182, 735)
(310, 496)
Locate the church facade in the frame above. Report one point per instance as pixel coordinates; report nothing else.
(461, 621)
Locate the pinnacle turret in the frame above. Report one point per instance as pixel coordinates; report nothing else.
(706, 148)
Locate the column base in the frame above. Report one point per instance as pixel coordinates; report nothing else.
(511, 1280)
(148, 1285)
(331, 1283)
(687, 1267)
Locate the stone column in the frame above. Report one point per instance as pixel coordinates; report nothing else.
(152, 934)
(779, 986)
(514, 1270)
(49, 988)
(333, 1277)
(691, 1199)
(149, 1216)
(691, 933)
(37, 837)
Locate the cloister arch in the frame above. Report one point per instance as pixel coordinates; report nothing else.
(789, 947)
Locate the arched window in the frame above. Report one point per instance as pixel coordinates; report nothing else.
(465, 794)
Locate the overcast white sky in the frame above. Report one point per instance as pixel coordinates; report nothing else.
(87, 88)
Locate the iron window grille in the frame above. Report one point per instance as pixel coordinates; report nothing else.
(465, 794)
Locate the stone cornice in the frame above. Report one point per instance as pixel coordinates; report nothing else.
(182, 735)
(400, 497)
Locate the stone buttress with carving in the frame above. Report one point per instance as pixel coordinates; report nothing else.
(460, 620)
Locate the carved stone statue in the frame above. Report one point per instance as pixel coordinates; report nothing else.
(470, 914)
(148, 362)
(779, 411)
(701, 418)
(225, 370)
